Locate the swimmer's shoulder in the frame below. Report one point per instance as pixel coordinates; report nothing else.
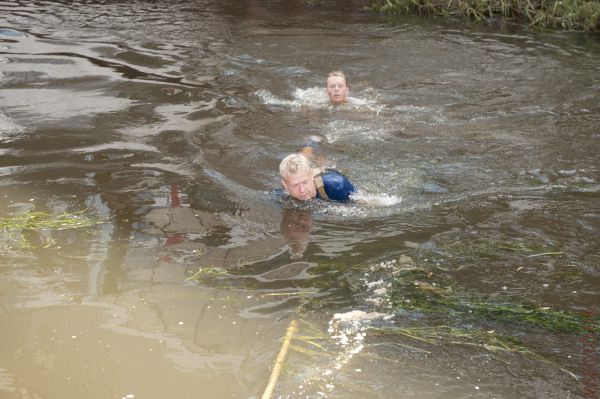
(337, 186)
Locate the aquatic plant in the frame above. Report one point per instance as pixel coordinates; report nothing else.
(483, 248)
(34, 221)
(206, 271)
(494, 343)
(577, 15)
(429, 309)
(422, 291)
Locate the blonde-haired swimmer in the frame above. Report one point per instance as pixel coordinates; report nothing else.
(304, 182)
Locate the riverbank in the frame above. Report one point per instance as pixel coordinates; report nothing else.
(575, 15)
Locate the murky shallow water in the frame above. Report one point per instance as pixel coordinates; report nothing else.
(477, 149)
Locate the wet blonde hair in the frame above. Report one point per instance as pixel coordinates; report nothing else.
(339, 74)
(292, 164)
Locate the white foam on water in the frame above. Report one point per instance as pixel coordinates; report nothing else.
(348, 332)
(313, 96)
(344, 211)
(411, 109)
(340, 129)
(9, 129)
(269, 98)
(363, 205)
(376, 199)
(316, 97)
(427, 115)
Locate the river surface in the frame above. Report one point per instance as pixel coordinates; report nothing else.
(476, 151)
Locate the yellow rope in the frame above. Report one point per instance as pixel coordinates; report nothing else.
(280, 359)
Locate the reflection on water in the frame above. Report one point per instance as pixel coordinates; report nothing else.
(475, 152)
(295, 227)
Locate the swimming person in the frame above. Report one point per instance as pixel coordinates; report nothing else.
(303, 182)
(337, 88)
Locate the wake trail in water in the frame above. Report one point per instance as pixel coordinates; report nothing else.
(315, 98)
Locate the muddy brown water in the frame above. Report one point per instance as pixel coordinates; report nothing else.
(476, 150)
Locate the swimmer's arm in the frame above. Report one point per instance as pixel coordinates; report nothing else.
(307, 151)
(312, 143)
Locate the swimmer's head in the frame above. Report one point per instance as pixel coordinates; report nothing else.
(337, 87)
(297, 177)
(338, 74)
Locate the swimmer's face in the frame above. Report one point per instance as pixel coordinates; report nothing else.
(337, 89)
(300, 185)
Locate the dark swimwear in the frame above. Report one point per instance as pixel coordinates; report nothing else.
(337, 186)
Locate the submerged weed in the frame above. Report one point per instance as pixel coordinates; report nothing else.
(457, 319)
(47, 221)
(20, 228)
(480, 248)
(206, 271)
(425, 292)
(494, 343)
(402, 287)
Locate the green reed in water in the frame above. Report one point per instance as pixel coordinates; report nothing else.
(47, 221)
(483, 248)
(422, 291)
(579, 15)
(491, 323)
(494, 343)
(30, 221)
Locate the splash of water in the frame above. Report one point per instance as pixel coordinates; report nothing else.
(376, 199)
(348, 330)
(9, 129)
(316, 98)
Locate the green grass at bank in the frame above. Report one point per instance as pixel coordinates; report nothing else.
(575, 15)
